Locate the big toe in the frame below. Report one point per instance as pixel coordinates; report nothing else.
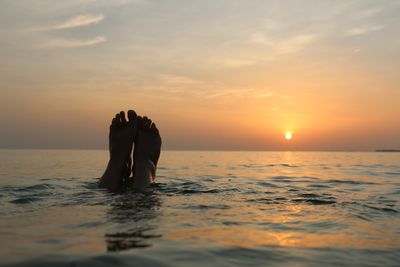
(113, 124)
(132, 116)
(122, 118)
(140, 122)
(153, 128)
(118, 119)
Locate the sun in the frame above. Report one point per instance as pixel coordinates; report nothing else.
(288, 135)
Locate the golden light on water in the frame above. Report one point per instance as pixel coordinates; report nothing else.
(288, 135)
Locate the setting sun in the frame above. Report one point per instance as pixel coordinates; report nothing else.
(288, 135)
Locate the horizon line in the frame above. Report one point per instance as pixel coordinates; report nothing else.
(227, 150)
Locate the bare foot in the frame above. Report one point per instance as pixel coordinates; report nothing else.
(146, 153)
(122, 134)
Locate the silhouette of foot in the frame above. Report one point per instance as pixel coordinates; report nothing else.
(146, 153)
(122, 134)
(121, 137)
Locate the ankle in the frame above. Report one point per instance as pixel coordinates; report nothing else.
(112, 178)
(144, 172)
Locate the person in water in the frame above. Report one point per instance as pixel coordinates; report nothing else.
(135, 133)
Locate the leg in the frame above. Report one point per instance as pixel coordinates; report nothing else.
(146, 154)
(122, 134)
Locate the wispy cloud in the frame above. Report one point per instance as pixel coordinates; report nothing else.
(275, 47)
(177, 80)
(288, 45)
(181, 87)
(75, 22)
(362, 31)
(71, 43)
(367, 13)
(241, 93)
(237, 63)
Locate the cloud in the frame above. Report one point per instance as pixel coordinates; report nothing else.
(264, 94)
(125, 2)
(367, 13)
(362, 31)
(175, 86)
(272, 25)
(289, 45)
(75, 22)
(241, 93)
(260, 38)
(71, 43)
(176, 79)
(181, 87)
(275, 47)
(237, 63)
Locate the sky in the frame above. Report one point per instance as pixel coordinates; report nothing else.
(212, 74)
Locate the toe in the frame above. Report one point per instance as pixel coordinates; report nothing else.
(140, 122)
(118, 119)
(132, 116)
(145, 122)
(113, 123)
(123, 118)
(153, 128)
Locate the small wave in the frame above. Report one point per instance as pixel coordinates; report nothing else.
(319, 186)
(315, 201)
(309, 195)
(385, 209)
(90, 224)
(25, 200)
(288, 165)
(44, 186)
(263, 201)
(162, 168)
(392, 173)
(251, 166)
(42, 189)
(135, 238)
(229, 223)
(189, 187)
(266, 184)
(90, 185)
(395, 192)
(352, 182)
(296, 179)
(283, 179)
(194, 191)
(213, 165)
(208, 207)
(372, 166)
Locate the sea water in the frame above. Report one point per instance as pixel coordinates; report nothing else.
(207, 209)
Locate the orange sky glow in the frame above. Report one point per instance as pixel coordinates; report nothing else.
(230, 75)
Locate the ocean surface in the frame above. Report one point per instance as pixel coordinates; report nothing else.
(207, 209)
